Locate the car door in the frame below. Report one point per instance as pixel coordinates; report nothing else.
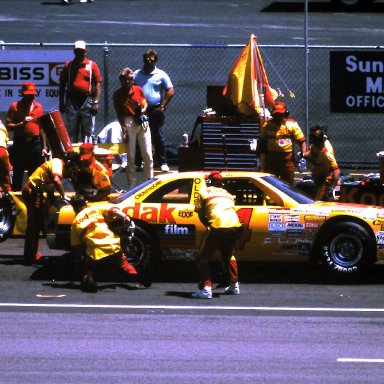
(176, 221)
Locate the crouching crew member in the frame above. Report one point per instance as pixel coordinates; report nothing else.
(325, 170)
(275, 147)
(92, 182)
(216, 209)
(39, 195)
(94, 235)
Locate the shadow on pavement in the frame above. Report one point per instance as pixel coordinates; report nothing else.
(64, 268)
(316, 6)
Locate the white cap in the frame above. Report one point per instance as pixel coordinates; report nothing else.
(80, 44)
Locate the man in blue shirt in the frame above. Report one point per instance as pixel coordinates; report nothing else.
(158, 90)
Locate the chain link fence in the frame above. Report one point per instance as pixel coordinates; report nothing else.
(356, 137)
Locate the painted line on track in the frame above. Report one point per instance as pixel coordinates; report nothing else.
(188, 307)
(358, 360)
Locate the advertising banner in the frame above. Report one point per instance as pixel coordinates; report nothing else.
(41, 67)
(356, 79)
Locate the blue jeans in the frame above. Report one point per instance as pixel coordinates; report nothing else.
(156, 123)
(79, 120)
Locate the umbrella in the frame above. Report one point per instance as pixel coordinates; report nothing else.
(247, 87)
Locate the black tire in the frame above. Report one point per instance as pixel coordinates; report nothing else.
(351, 4)
(346, 247)
(7, 215)
(138, 251)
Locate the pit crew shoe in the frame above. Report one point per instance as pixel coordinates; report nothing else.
(164, 168)
(232, 289)
(88, 284)
(126, 267)
(205, 293)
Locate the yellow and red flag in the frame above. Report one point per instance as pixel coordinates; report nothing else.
(247, 86)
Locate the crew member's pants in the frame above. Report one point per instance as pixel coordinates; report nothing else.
(156, 124)
(280, 165)
(136, 132)
(35, 222)
(223, 239)
(25, 154)
(79, 119)
(5, 167)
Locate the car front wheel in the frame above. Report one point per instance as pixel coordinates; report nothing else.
(346, 248)
(138, 249)
(7, 215)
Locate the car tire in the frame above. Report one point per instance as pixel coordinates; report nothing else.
(351, 4)
(138, 250)
(346, 247)
(7, 215)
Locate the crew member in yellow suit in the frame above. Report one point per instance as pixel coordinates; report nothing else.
(216, 209)
(92, 182)
(91, 234)
(276, 143)
(5, 165)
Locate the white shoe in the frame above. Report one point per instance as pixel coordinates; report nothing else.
(164, 168)
(205, 293)
(232, 289)
(65, 1)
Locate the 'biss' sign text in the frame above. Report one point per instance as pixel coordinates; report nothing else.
(357, 83)
(41, 67)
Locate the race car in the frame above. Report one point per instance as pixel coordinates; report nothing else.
(280, 223)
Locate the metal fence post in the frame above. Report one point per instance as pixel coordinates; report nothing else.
(106, 93)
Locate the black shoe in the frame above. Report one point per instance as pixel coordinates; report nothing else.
(88, 284)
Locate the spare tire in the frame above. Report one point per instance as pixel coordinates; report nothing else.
(7, 214)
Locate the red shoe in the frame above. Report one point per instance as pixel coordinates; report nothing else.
(37, 256)
(126, 267)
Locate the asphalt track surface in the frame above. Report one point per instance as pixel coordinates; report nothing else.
(290, 324)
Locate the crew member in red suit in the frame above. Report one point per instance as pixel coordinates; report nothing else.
(5, 166)
(29, 144)
(276, 143)
(216, 209)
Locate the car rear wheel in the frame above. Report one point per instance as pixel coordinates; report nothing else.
(138, 250)
(346, 247)
(7, 215)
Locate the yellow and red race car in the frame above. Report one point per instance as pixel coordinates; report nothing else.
(280, 223)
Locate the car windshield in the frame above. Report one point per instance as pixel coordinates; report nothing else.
(132, 191)
(288, 189)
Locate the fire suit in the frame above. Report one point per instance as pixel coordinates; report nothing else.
(216, 209)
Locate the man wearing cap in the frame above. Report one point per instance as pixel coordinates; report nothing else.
(29, 143)
(276, 143)
(92, 182)
(131, 106)
(216, 209)
(38, 195)
(79, 93)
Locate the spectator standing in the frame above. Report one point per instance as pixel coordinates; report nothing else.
(131, 106)
(216, 209)
(79, 93)
(38, 195)
(276, 143)
(29, 143)
(93, 236)
(158, 90)
(92, 182)
(5, 166)
(325, 170)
